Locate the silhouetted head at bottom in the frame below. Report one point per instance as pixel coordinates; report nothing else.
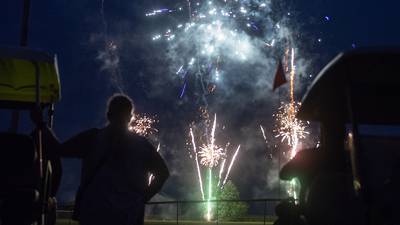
(119, 110)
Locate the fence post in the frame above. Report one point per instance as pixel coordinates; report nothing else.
(177, 212)
(217, 212)
(265, 209)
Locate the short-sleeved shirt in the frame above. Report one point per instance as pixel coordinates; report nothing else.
(117, 187)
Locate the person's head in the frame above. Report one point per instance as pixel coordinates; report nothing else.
(119, 110)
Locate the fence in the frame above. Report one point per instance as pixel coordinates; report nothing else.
(177, 212)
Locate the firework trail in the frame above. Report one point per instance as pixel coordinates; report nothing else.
(197, 163)
(110, 55)
(270, 155)
(230, 165)
(296, 126)
(290, 129)
(292, 74)
(209, 206)
(263, 133)
(221, 170)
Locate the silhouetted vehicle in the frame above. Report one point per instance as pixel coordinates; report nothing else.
(351, 178)
(29, 81)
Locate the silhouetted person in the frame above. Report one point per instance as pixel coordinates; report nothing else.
(288, 213)
(115, 167)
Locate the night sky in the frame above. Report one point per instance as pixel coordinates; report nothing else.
(74, 30)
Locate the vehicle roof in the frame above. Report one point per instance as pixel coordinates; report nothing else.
(371, 75)
(18, 77)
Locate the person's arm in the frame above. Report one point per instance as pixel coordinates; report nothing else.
(78, 145)
(75, 147)
(159, 170)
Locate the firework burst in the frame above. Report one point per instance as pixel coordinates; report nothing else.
(209, 156)
(210, 34)
(289, 128)
(209, 41)
(142, 125)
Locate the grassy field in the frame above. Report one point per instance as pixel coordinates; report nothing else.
(183, 222)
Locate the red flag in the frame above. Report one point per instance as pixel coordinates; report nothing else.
(280, 77)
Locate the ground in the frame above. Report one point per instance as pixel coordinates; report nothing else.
(183, 222)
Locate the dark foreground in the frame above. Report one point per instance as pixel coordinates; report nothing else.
(183, 222)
